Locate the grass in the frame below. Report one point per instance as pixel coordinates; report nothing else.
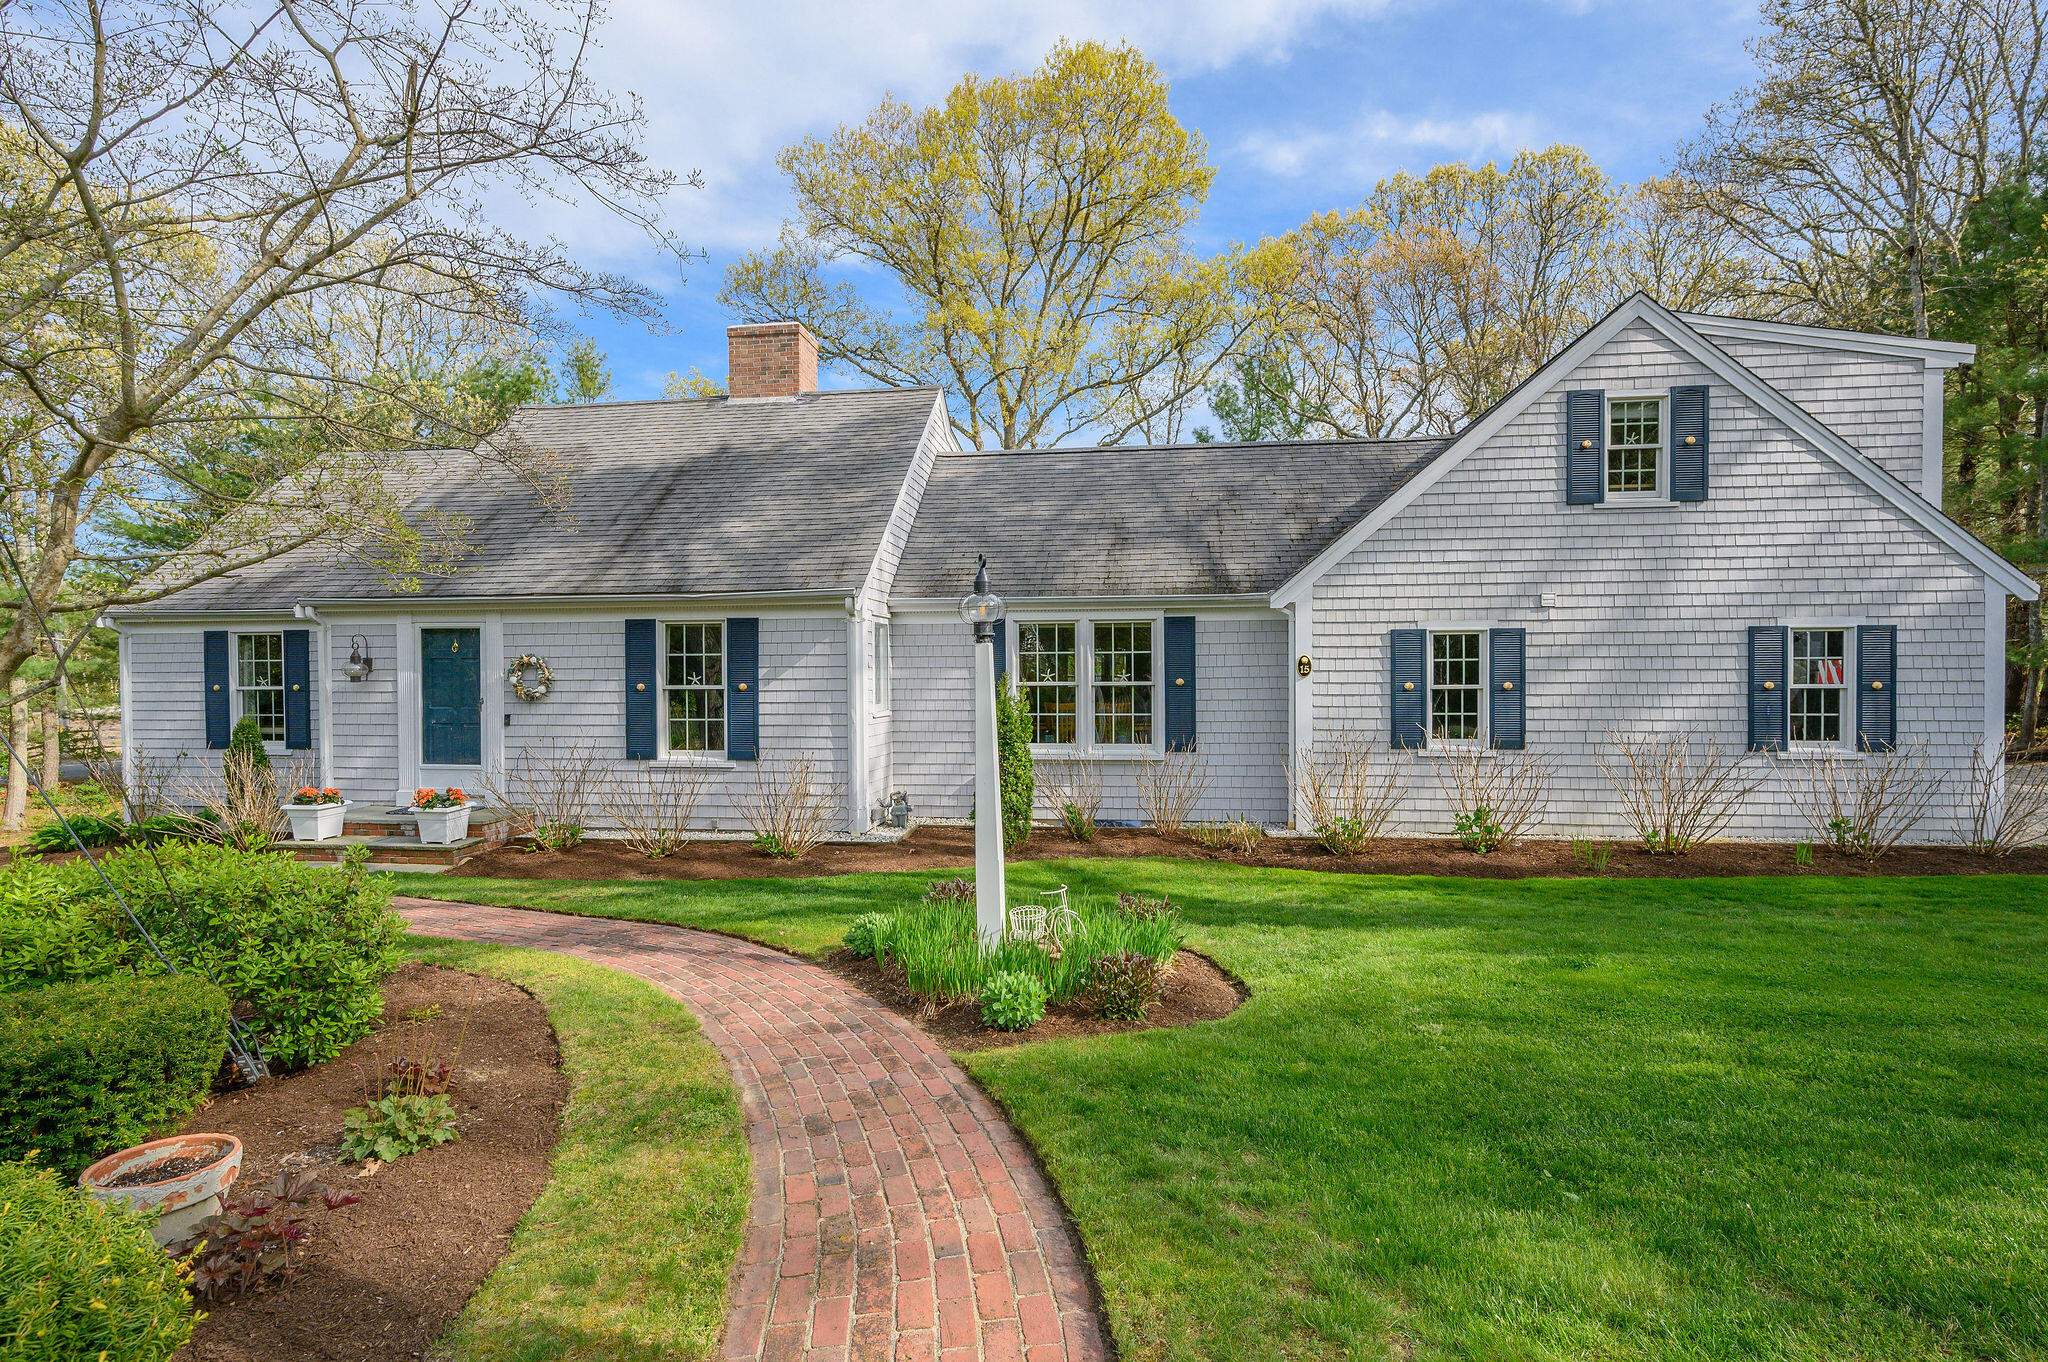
(1777, 1118)
(626, 1252)
(941, 957)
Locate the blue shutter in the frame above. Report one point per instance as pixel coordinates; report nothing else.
(1877, 674)
(1585, 447)
(1506, 715)
(642, 690)
(1002, 651)
(1768, 645)
(217, 693)
(298, 691)
(1405, 648)
(1180, 683)
(1689, 461)
(742, 689)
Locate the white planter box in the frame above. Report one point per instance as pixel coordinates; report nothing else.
(439, 827)
(316, 822)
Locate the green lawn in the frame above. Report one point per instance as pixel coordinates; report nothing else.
(625, 1254)
(1782, 1118)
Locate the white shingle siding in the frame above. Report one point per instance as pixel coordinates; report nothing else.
(1241, 671)
(167, 696)
(1874, 402)
(1650, 630)
(365, 737)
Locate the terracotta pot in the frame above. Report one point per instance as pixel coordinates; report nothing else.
(185, 1200)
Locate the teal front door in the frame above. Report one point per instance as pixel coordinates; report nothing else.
(451, 697)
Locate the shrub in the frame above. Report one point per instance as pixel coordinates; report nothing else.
(298, 948)
(2005, 806)
(1478, 830)
(1867, 806)
(1075, 789)
(789, 808)
(90, 1067)
(392, 1127)
(557, 836)
(256, 1236)
(652, 806)
(1170, 788)
(48, 932)
(92, 829)
(768, 844)
(84, 1278)
(1510, 788)
(935, 947)
(861, 937)
(1676, 795)
(1342, 836)
(1012, 1000)
(1122, 986)
(245, 757)
(1239, 834)
(1348, 789)
(1019, 781)
(549, 787)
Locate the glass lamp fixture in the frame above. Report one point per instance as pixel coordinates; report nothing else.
(358, 665)
(984, 607)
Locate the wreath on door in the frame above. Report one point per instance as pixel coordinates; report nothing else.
(531, 677)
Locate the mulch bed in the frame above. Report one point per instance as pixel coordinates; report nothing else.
(384, 1277)
(952, 848)
(1197, 989)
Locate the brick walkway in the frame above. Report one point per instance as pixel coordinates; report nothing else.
(895, 1213)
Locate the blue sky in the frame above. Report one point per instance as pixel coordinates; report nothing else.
(1304, 104)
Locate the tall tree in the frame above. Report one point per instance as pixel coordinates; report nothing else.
(1037, 226)
(584, 376)
(1258, 403)
(186, 181)
(1848, 166)
(1995, 296)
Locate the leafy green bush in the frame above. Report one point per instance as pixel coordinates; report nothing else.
(1478, 830)
(860, 937)
(1019, 781)
(936, 948)
(90, 1067)
(299, 948)
(245, 755)
(92, 829)
(392, 1127)
(1012, 1000)
(1341, 836)
(768, 844)
(84, 1279)
(1121, 987)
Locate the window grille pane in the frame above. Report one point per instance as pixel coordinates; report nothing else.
(1454, 686)
(266, 707)
(1635, 434)
(1046, 666)
(1052, 713)
(1820, 678)
(259, 660)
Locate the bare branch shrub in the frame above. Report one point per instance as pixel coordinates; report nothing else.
(145, 796)
(2007, 806)
(1866, 805)
(1170, 788)
(1074, 789)
(549, 791)
(239, 806)
(1502, 789)
(1241, 834)
(790, 806)
(1675, 792)
(653, 805)
(1349, 788)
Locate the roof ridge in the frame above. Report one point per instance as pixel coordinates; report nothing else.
(1316, 442)
(719, 397)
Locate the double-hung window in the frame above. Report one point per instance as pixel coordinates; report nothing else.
(695, 684)
(878, 666)
(259, 682)
(1635, 448)
(1116, 706)
(1457, 686)
(1820, 686)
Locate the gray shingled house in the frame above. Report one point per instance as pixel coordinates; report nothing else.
(1680, 521)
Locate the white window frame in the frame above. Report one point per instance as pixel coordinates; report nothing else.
(664, 752)
(1846, 741)
(1660, 497)
(1084, 744)
(239, 691)
(1430, 742)
(880, 687)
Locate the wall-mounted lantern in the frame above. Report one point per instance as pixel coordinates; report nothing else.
(358, 665)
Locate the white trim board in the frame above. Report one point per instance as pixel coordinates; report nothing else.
(1933, 353)
(1639, 308)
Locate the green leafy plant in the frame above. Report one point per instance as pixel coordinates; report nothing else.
(1136, 907)
(1013, 761)
(862, 935)
(957, 890)
(933, 947)
(1012, 1000)
(257, 1237)
(96, 1065)
(1341, 836)
(1802, 853)
(556, 836)
(1592, 855)
(1079, 823)
(83, 1278)
(245, 757)
(392, 1127)
(1477, 829)
(1121, 987)
(768, 844)
(92, 829)
(1842, 834)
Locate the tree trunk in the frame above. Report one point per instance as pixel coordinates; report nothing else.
(2030, 702)
(17, 772)
(53, 741)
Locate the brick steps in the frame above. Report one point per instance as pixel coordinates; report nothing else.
(393, 840)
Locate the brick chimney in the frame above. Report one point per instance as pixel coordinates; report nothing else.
(770, 359)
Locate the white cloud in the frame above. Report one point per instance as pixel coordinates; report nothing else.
(727, 85)
(1377, 143)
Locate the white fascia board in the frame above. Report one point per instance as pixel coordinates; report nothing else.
(1640, 308)
(1935, 354)
(1251, 603)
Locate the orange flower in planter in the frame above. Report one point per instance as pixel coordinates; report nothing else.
(421, 796)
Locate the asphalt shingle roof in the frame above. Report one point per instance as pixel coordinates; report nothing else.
(1176, 520)
(664, 498)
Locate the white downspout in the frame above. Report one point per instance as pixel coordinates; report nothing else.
(857, 818)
